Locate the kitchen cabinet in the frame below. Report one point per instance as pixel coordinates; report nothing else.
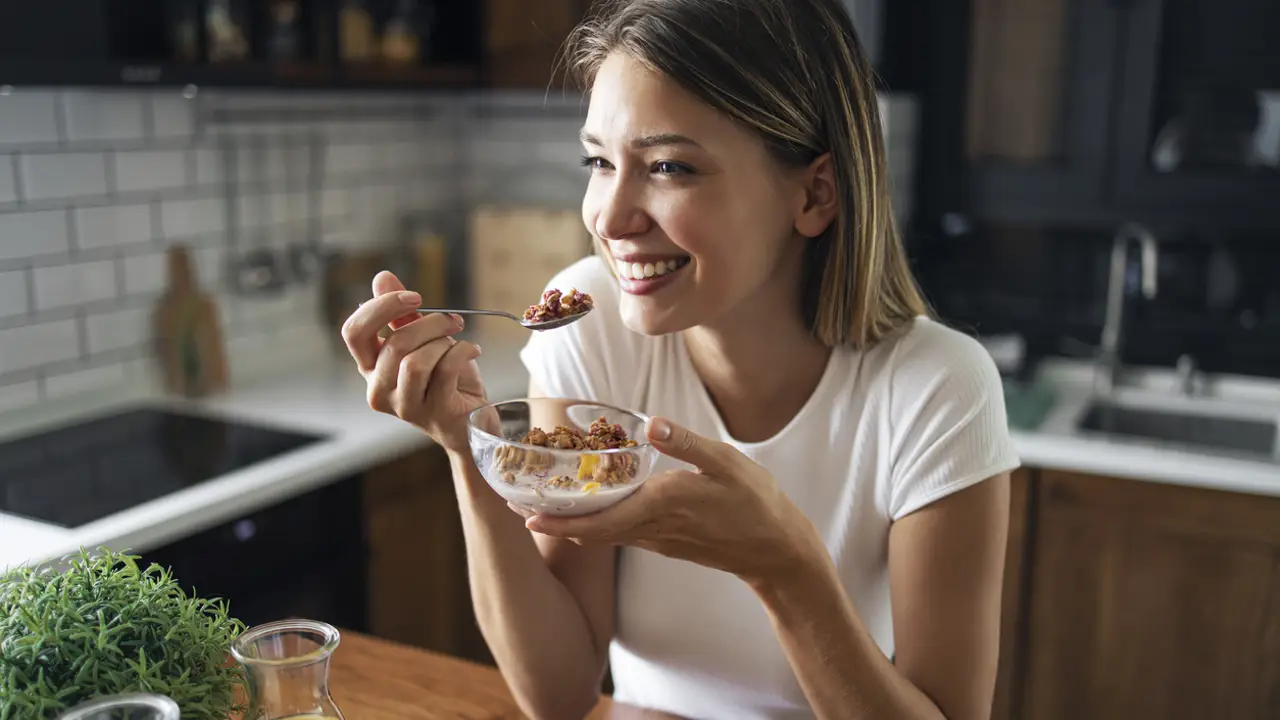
(1094, 112)
(1198, 126)
(523, 41)
(405, 44)
(1143, 600)
(417, 575)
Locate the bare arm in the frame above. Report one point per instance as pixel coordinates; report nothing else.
(544, 605)
(945, 564)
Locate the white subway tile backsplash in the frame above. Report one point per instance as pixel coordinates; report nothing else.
(351, 159)
(79, 381)
(19, 395)
(30, 346)
(28, 234)
(118, 329)
(48, 176)
(144, 274)
(113, 226)
(181, 218)
(150, 170)
(28, 117)
(335, 202)
(13, 293)
(172, 115)
(210, 265)
(66, 285)
(102, 116)
(209, 166)
(8, 182)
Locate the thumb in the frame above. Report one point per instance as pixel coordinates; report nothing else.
(683, 444)
(387, 282)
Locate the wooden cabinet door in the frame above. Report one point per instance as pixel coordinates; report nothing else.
(417, 566)
(1012, 604)
(525, 38)
(1152, 601)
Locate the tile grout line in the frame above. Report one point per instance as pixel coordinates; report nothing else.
(19, 191)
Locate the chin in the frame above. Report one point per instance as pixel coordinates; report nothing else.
(640, 316)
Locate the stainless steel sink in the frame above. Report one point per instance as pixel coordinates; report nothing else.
(1236, 435)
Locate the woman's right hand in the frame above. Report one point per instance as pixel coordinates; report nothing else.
(419, 373)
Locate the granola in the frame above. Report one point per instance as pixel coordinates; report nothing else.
(594, 471)
(557, 305)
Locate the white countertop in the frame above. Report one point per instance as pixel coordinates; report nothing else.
(327, 396)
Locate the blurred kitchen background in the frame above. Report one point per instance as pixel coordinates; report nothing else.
(286, 150)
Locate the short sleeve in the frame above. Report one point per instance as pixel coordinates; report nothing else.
(592, 359)
(949, 425)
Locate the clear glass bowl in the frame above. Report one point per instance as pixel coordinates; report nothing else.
(553, 481)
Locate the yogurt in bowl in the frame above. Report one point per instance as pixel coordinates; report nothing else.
(560, 457)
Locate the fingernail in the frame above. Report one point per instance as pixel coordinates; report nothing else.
(457, 319)
(410, 298)
(659, 429)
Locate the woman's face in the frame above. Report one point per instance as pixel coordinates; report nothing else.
(695, 215)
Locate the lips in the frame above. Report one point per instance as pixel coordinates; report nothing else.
(644, 274)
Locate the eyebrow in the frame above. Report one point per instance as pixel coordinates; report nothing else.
(646, 141)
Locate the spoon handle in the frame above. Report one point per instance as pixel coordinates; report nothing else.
(496, 313)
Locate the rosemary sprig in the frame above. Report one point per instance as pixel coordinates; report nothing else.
(105, 626)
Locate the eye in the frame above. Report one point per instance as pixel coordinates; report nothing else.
(595, 162)
(667, 167)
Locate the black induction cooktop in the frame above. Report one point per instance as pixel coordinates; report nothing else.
(74, 474)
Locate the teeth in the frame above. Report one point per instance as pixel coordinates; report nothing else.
(640, 271)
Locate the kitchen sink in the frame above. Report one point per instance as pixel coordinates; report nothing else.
(1236, 435)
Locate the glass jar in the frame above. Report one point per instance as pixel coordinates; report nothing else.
(131, 706)
(286, 665)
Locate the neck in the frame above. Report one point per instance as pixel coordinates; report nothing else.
(759, 365)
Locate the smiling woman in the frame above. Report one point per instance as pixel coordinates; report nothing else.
(823, 441)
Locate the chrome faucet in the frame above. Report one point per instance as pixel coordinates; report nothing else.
(1108, 364)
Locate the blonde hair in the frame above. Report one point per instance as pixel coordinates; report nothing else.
(794, 72)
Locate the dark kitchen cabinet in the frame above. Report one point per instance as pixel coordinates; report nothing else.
(1036, 107)
(1091, 113)
(351, 44)
(1198, 125)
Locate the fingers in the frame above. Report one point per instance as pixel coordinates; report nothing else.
(611, 524)
(409, 356)
(386, 282)
(684, 444)
(450, 366)
(360, 331)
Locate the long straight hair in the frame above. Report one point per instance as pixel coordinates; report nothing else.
(795, 73)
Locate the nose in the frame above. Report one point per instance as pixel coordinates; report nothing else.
(620, 213)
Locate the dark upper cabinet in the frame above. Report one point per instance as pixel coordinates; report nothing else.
(1198, 126)
(1093, 112)
(1036, 107)
(228, 43)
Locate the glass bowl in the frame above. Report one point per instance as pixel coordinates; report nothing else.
(551, 480)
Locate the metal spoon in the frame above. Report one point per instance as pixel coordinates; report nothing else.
(544, 325)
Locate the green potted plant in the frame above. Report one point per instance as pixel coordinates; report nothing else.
(105, 626)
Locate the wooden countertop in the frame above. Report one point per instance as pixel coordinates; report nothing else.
(373, 679)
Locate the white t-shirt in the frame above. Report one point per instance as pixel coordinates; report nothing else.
(886, 432)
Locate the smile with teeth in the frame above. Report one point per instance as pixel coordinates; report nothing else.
(645, 270)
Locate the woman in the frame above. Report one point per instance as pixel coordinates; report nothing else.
(827, 539)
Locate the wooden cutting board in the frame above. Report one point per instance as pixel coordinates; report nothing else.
(188, 333)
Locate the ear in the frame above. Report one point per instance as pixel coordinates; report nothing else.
(819, 200)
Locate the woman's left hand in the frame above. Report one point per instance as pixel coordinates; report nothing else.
(726, 514)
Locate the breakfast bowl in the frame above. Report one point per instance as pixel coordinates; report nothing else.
(560, 457)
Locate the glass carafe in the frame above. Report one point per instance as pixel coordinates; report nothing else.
(131, 706)
(286, 665)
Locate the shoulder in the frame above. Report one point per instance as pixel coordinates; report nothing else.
(930, 364)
